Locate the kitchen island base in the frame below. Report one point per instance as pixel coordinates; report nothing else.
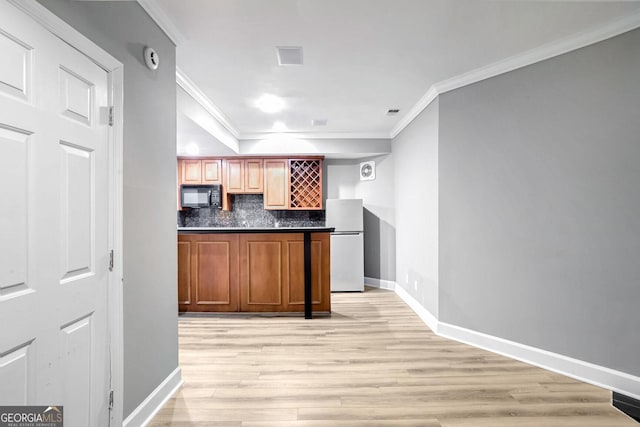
(230, 271)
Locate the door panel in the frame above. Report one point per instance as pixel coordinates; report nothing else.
(212, 171)
(263, 272)
(75, 342)
(76, 222)
(54, 180)
(213, 273)
(296, 274)
(191, 172)
(14, 366)
(13, 228)
(235, 176)
(184, 274)
(15, 73)
(276, 185)
(76, 98)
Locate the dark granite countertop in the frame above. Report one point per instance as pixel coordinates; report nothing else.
(213, 230)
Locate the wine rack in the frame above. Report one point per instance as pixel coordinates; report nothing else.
(305, 184)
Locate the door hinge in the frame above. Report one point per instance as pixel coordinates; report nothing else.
(111, 260)
(110, 116)
(110, 399)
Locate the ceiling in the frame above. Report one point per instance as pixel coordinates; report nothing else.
(361, 57)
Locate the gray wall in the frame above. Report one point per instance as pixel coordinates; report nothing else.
(150, 260)
(342, 180)
(540, 205)
(415, 151)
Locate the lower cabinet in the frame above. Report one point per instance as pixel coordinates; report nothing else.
(208, 272)
(262, 272)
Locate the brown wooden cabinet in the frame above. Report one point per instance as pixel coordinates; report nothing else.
(194, 171)
(200, 171)
(272, 272)
(276, 186)
(208, 272)
(253, 272)
(212, 171)
(244, 176)
(287, 183)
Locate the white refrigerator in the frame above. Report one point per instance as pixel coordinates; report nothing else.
(347, 244)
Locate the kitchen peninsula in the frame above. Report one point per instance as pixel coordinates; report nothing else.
(247, 256)
(254, 269)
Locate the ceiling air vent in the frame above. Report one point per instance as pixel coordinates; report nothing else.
(289, 55)
(392, 111)
(319, 122)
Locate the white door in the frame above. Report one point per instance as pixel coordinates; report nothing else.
(54, 255)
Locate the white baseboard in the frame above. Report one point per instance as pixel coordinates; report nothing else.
(142, 415)
(597, 375)
(380, 283)
(429, 319)
(583, 371)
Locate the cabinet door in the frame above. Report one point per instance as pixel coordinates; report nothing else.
(263, 272)
(184, 274)
(320, 272)
(235, 176)
(212, 171)
(191, 171)
(213, 272)
(254, 176)
(276, 186)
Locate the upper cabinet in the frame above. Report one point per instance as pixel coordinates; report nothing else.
(253, 176)
(287, 183)
(244, 176)
(212, 171)
(276, 187)
(208, 171)
(305, 177)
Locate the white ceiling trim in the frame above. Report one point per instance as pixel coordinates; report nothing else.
(164, 22)
(194, 91)
(550, 50)
(315, 135)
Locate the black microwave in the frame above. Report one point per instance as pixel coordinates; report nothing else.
(201, 196)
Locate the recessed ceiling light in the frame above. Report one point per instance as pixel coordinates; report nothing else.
(289, 55)
(279, 126)
(270, 103)
(192, 149)
(393, 111)
(319, 122)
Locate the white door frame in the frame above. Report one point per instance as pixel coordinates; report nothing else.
(115, 71)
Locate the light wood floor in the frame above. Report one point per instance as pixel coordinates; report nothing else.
(372, 363)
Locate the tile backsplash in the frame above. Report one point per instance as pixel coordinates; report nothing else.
(247, 210)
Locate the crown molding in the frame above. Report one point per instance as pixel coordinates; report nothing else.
(422, 103)
(164, 22)
(314, 135)
(546, 51)
(196, 93)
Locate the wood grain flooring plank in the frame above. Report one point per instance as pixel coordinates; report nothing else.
(371, 363)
